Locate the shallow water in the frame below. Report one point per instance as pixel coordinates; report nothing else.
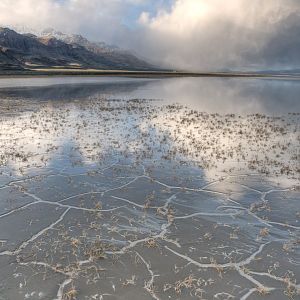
(149, 189)
(211, 95)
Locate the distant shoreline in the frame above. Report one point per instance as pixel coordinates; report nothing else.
(142, 74)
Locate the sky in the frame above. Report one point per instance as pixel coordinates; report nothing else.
(197, 35)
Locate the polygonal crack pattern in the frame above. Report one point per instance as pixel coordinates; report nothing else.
(164, 215)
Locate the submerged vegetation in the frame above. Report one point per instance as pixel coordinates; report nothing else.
(139, 128)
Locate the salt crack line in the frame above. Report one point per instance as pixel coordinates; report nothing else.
(149, 285)
(204, 214)
(124, 185)
(43, 264)
(237, 266)
(168, 201)
(34, 237)
(39, 200)
(288, 282)
(128, 201)
(248, 294)
(183, 188)
(60, 292)
(18, 209)
(161, 235)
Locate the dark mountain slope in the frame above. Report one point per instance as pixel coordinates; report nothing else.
(27, 50)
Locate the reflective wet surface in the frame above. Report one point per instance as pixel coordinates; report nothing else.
(149, 189)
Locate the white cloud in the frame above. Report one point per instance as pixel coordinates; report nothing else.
(191, 34)
(214, 34)
(100, 19)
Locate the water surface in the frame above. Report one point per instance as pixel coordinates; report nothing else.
(130, 188)
(212, 95)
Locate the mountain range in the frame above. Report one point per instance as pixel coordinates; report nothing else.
(52, 49)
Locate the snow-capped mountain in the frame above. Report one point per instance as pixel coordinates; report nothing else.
(98, 47)
(51, 48)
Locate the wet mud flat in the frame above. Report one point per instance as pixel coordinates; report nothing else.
(134, 199)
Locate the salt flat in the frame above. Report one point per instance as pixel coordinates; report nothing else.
(150, 189)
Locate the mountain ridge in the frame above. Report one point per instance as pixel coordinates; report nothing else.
(49, 50)
(80, 40)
